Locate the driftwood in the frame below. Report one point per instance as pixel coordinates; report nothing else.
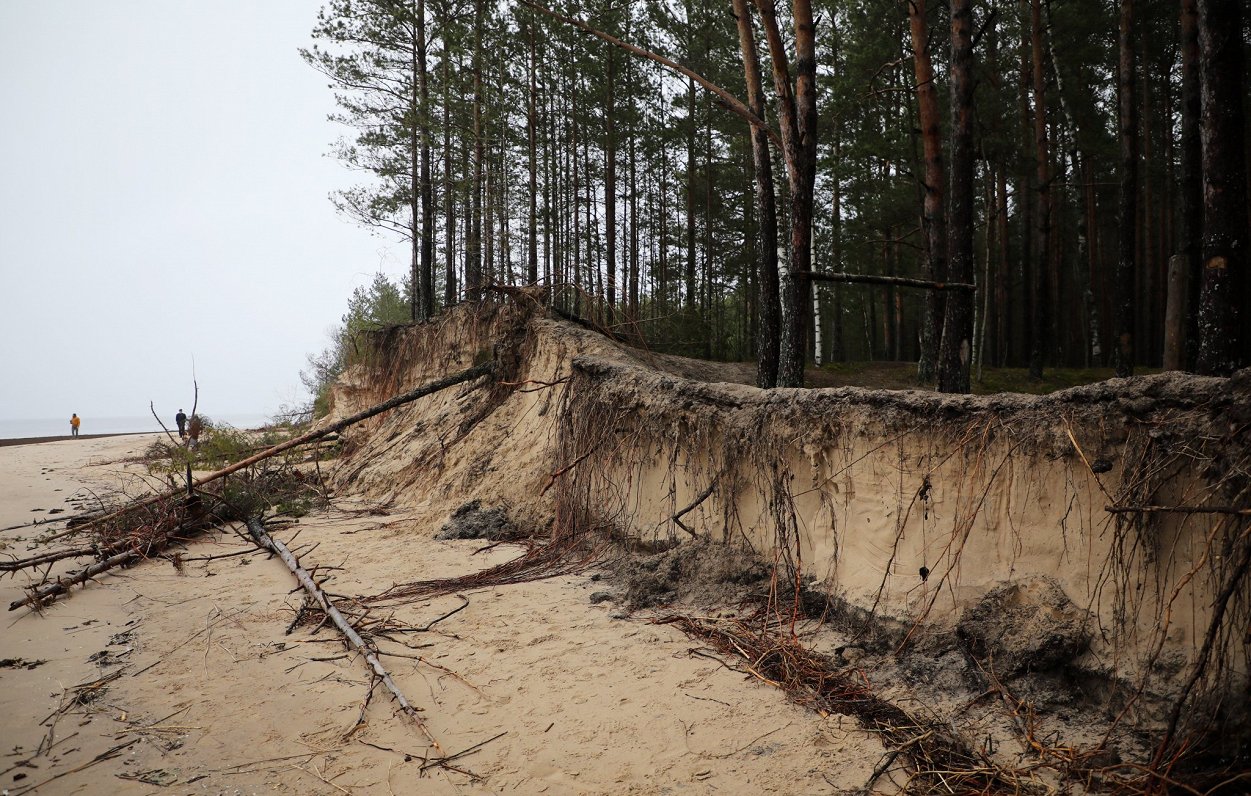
(264, 540)
(422, 391)
(122, 554)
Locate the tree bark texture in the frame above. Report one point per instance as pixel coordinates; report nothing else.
(1222, 309)
(473, 262)
(1041, 335)
(956, 345)
(610, 184)
(424, 283)
(1126, 262)
(797, 116)
(1190, 186)
(934, 214)
(768, 338)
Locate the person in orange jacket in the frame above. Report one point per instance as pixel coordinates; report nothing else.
(74, 421)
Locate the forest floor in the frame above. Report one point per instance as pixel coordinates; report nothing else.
(902, 376)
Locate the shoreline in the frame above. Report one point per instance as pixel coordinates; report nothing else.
(4, 443)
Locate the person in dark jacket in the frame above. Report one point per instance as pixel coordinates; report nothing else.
(181, 420)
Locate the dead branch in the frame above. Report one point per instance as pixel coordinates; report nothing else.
(45, 558)
(399, 400)
(152, 409)
(267, 542)
(72, 519)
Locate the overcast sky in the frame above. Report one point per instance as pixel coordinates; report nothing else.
(163, 185)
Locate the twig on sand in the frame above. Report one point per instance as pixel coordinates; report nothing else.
(315, 773)
(442, 762)
(450, 613)
(100, 758)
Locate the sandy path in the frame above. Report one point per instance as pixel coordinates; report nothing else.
(577, 699)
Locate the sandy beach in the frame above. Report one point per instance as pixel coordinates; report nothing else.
(194, 686)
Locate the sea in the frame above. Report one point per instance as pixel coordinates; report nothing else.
(58, 427)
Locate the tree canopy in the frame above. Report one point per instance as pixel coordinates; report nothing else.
(1061, 132)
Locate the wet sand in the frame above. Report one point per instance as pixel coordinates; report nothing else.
(5, 443)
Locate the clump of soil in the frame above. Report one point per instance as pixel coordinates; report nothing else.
(471, 521)
(1025, 626)
(698, 573)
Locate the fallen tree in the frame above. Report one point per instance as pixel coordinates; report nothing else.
(267, 542)
(131, 548)
(126, 552)
(426, 389)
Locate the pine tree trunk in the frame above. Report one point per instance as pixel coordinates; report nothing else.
(768, 335)
(473, 253)
(707, 329)
(532, 229)
(1003, 296)
(415, 302)
(1040, 334)
(954, 348)
(838, 351)
(797, 114)
(449, 189)
(1222, 308)
(549, 126)
(632, 300)
(1126, 264)
(1190, 200)
(933, 213)
(575, 237)
(610, 183)
(690, 197)
(425, 282)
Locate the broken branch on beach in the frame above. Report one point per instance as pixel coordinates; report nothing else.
(267, 542)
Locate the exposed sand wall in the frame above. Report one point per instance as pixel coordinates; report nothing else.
(858, 489)
(862, 489)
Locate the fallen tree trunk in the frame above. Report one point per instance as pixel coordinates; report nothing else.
(267, 542)
(873, 279)
(422, 391)
(42, 595)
